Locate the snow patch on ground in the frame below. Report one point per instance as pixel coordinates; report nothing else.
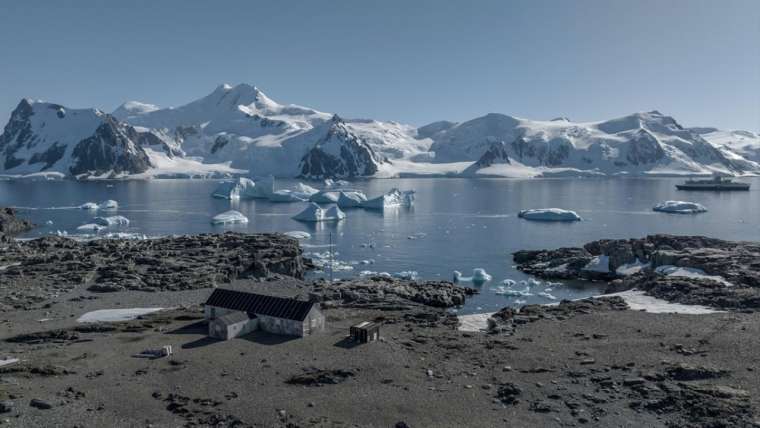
(687, 272)
(638, 301)
(115, 315)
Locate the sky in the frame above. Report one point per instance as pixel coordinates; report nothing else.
(410, 61)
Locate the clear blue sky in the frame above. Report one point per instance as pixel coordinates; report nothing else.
(411, 61)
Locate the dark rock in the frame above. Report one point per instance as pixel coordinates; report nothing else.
(11, 225)
(317, 377)
(6, 406)
(688, 372)
(508, 393)
(508, 318)
(40, 404)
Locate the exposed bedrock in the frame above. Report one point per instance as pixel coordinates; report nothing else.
(727, 272)
(46, 266)
(11, 225)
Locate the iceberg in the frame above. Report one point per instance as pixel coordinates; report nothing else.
(394, 198)
(549, 214)
(241, 188)
(315, 213)
(229, 217)
(115, 220)
(301, 193)
(325, 197)
(680, 207)
(479, 277)
(351, 199)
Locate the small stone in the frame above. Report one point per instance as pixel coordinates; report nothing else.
(6, 406)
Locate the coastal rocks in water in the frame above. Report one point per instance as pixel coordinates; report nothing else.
(11, 225)
(549, 214)
(51, 265)
(229, 217)
(679, 207)
(719, 274)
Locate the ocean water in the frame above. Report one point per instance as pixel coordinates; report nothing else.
(455, 224)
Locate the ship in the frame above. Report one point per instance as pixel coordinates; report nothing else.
(716, 183)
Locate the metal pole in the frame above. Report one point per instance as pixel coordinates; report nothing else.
(331, 259)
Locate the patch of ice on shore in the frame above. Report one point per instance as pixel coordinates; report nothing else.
(638, 301)
(632, 268)
(229, 217)
(688, 272)
(8, 361)
(549, 214)
(4, 267)
(474, 322)
(298, 234)
(115, 315)
(598, 264)
(680, 207)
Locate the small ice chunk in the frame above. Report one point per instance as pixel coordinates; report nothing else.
(549, 214)
(286, 195)
(229, 217)
(115, 220)
(351, 199)
(315, 213)
(90, 227)
(298, 234)
(680, 207)
(92, 206)
(632, 268)
(109, 205)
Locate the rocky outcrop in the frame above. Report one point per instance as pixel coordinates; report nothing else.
(497, 153)
(390, 293)
(11, 225)
(731, 269)
(38, 269)
(340, 154)
(109, 150)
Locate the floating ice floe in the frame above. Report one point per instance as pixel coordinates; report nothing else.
(316, 213)
(479, 276)
(680, 207)
(109, 205)
(91, 227)
(549, 214)
(298, 234)
(329, 183)
(115, 220)
(229, 217)
(688, 272)
(300, 193)
(394, 198)
(240, 188)
(115, 315)
(351, 199)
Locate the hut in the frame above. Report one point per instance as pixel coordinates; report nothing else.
(234, 313)
(364, 332)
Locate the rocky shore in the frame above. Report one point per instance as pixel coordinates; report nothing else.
(11, 225)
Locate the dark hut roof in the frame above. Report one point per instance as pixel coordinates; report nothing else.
(260, 304)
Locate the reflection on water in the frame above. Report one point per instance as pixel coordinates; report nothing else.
(455, 224)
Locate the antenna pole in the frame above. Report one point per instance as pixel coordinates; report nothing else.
(331, 259)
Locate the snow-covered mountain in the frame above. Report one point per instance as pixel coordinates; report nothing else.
(240, 130)
(49, 137)
(641, 143)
